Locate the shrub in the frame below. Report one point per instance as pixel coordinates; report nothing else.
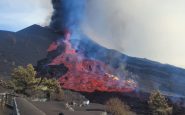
(58, 93)
(59, 96)
(158, 104)
(117, 107)
(52, 89)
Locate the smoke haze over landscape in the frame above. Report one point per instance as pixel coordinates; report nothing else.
(152, 29)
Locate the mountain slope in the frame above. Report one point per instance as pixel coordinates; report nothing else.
(30, 45)
(23, 47)
(150, 74)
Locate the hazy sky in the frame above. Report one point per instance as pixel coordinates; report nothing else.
(153, 29)
(18, 14)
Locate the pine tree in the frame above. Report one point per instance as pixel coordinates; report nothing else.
(158, 104)
(24, 79)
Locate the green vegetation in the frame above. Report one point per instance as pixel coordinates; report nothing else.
(158, 104)
(25, 81)
(117, 107)
(52, 89)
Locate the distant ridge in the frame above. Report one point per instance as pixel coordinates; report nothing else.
(31, 29)
(36, 30)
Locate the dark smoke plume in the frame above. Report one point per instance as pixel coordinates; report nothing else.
(67, 14)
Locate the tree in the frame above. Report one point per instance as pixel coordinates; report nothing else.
(117, 107)
(24, 79)
(59, 93)
(50, 86)
(158, 104)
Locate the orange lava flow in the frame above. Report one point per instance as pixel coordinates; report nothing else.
(87, 75)
(53, 47)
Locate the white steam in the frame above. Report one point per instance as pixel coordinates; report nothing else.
(153, 29)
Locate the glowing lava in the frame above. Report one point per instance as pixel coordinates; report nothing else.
(87, 75)
(53, 46)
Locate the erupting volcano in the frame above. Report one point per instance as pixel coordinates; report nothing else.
(86, 75)
(69, 64)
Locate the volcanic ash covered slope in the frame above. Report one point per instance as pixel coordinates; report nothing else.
(30, 45)
(148, 74)
(23, 47)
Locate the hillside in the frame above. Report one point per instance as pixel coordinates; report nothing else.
(23, 47)
(150, 75)
(30, 45)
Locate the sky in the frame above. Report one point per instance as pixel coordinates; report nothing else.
(18, 14)
(152, 29)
